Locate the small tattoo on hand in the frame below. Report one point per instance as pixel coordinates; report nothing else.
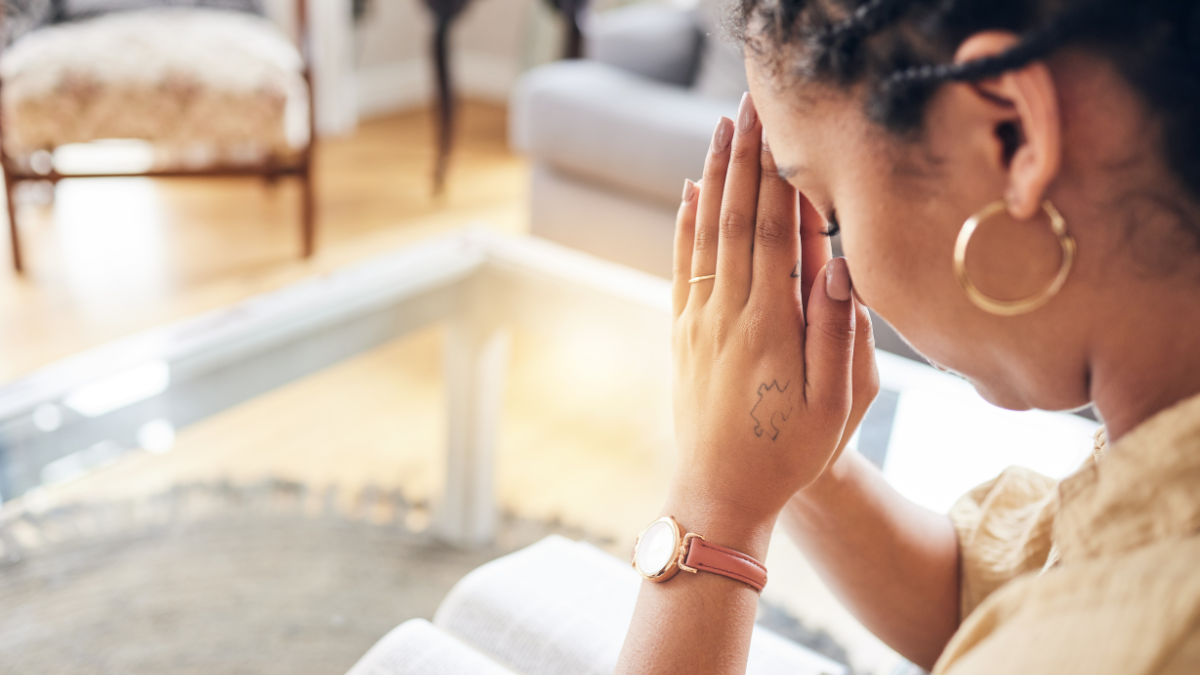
(796, 270)
(772, 409)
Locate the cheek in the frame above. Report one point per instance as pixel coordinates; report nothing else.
(883, 234)
(887, 257)
(901, 265)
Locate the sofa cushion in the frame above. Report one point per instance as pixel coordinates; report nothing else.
(206, 84)
(654, 41)
(603, 123)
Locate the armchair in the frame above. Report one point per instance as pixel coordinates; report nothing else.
(216, 92)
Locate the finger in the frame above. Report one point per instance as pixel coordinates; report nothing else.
(865, 378)
(685, 236)
(829, 343)
(708, 211)
(738, 207)
(776, 237)
(815, 250)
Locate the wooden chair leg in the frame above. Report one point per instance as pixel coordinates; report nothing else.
(444, 14)
(307, 212)
(10, 189)
(445, 101)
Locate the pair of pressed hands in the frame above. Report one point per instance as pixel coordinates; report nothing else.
(774, 370)
(774, 361)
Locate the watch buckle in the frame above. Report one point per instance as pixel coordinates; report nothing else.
(683, 551)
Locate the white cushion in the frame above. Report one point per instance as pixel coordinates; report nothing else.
(592, 120)
(654, 41)
(203, 85)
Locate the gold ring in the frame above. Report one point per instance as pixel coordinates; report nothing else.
(703, 278)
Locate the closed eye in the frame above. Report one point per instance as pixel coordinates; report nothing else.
(833, 226)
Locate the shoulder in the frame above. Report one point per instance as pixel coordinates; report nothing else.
(1131, 613)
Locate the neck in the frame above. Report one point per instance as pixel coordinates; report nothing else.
(1146, 361)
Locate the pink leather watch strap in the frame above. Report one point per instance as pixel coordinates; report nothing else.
(727, 562)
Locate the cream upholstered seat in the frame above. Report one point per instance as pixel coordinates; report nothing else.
(203, 85)
(214, 86)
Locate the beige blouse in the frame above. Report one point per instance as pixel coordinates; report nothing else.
(1096, 574)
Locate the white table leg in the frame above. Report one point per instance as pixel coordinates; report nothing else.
(476, 360)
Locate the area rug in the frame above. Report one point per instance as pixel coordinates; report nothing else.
(215, 579)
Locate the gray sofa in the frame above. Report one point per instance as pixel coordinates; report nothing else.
(612, 136)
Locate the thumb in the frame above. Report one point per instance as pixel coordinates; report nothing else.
(864, 385)
(829, 341)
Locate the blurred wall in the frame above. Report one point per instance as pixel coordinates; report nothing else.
(381, 63)
(492, 43)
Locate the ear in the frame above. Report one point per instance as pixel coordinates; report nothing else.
(1031, 100)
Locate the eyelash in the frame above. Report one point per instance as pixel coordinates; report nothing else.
(834, 227)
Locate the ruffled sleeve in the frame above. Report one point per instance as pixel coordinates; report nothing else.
(1004, 530)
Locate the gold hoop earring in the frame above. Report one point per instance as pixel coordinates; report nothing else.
(1012, 307)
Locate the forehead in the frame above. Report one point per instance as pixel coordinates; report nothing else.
(804, 120)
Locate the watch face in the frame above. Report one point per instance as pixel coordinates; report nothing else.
(656, 549)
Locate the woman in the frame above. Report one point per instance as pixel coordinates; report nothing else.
(1017, 185)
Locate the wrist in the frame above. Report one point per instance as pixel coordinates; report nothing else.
(722, 522)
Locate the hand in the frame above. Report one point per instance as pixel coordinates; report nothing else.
(774, 366)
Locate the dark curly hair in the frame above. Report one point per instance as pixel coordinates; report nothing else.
(902, 51)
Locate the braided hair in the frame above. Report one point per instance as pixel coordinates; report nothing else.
(902, 51)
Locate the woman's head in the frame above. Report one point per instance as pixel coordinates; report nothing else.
(899, 119)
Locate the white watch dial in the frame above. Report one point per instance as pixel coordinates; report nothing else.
(656, 549)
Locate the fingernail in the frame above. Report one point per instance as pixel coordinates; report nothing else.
(689, 190)
(722, 135)
(747, 115)
(837, 280)
(765, 145)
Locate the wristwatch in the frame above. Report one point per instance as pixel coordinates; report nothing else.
(664, 548)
